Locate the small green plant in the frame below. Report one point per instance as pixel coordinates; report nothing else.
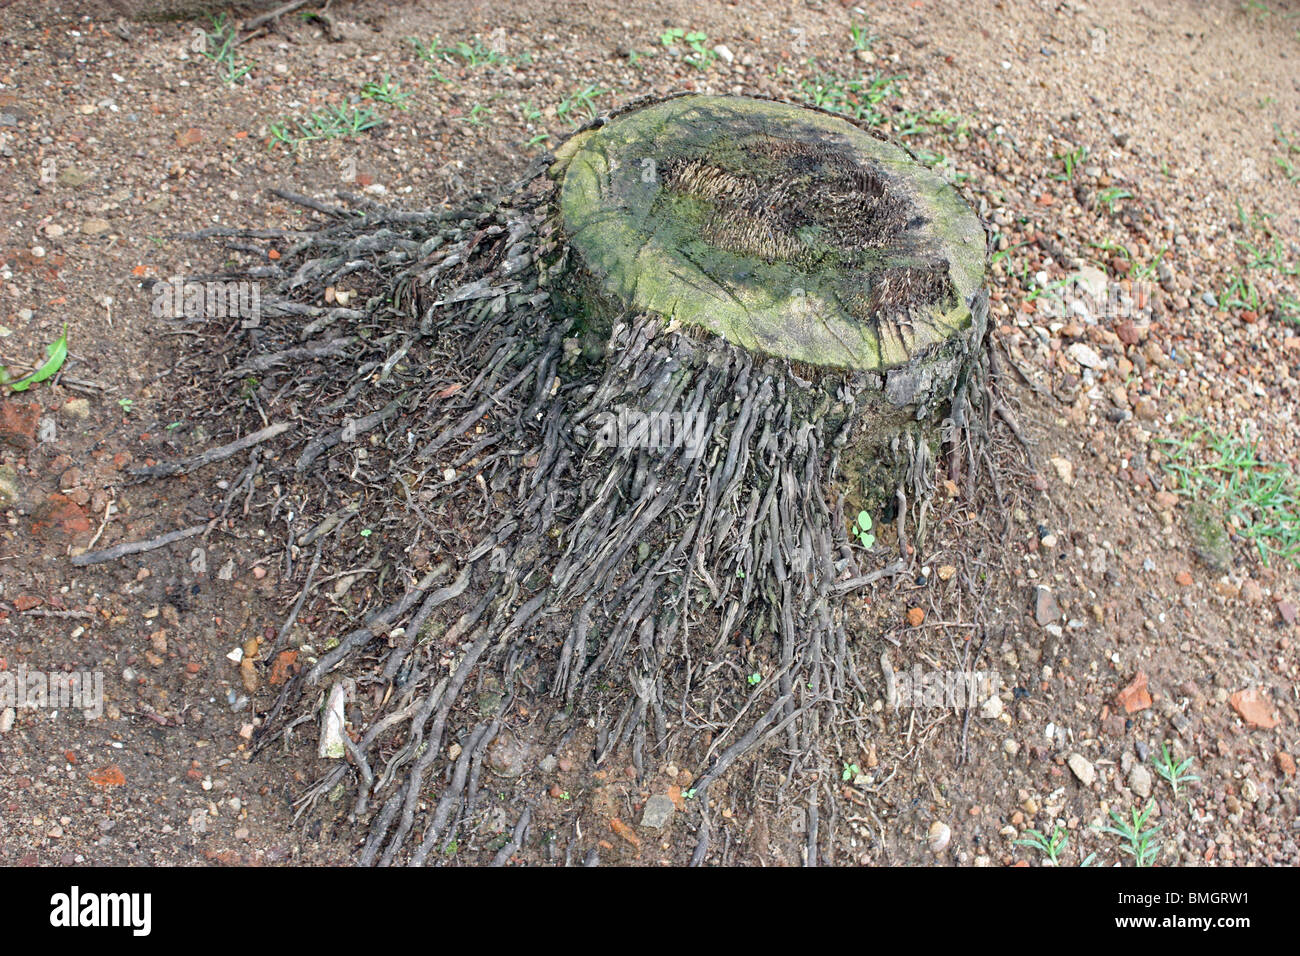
(219, 47)
(1175, 773)
(850, 772)
(1240, 293)
(754, 679)
(366, 532)
(56, 353)
(387, 92)
(862, 530)
(1140, 843)
(859, 99)
(1070, 162)
(1260, 499)
(860, 35)
(1050, 847)
(477, 114)
(470, 53)
(126, 404)
(333, 122)
(1110, 198)
(581, 106)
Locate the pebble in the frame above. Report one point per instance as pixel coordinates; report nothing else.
(1085, 356)
(7, 720)
(1082, 769)
(658, 811)
(1046, 610)
(940, 837)
(1139, 780)
(991, 709)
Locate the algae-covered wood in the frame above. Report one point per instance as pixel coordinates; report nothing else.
(783, 229)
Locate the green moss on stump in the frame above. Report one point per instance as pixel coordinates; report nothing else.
(782, 229)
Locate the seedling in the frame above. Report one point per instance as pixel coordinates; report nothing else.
(860, 35)
(1140, 843)
(55, 355)
(1070, 161)
(754, 679)
(1049, 847)
(580, 106)
(849, 772)
(862, 530)
(1110, 198)
(219, 47)
(385, 92)
(1261, 499)
(1175, 773)
(461, 52)
(334, 122)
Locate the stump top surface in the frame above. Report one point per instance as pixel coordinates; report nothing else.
(782, 229)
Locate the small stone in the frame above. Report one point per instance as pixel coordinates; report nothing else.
(1183, 579)
(1082, 769)
(93, 227)
(1249, 791)
(940, 836)
(1254, 707)
(1287, 609)
(1064, 469)
(915, 616)
(1135, 696)
(1284, 762)
(7, 722)
(1146, 410)
(658, 811)
(991, 709)
(1166, 500)
(1139, 780)
(1010, 747)
(1251, 592)
(1046, 610)
(946, 572)
(1085, 356)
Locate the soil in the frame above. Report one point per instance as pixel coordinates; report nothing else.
(1080, 572)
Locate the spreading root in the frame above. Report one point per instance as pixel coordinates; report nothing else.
(634, 541)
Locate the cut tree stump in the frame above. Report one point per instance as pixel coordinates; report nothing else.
(633, 407)
(791, 233)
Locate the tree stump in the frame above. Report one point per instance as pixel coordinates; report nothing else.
(787, 232)
(636, 404)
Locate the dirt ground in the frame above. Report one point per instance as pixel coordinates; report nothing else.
(1152, 149)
